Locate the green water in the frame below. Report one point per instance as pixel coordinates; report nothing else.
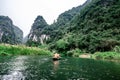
(43, 68)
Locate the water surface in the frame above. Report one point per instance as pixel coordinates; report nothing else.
(43, 68)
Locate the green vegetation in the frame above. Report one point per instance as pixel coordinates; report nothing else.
(6, 49)
(106, 55)
(114, 54)
(74, 53)
(93, 27)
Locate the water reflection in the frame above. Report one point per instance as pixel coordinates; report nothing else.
(44, 68)
(56, 65)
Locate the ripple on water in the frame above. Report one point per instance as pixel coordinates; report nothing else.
(14, 75)
(14, 69)
(43, 68)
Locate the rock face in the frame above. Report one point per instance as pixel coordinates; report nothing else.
(36, 33)
(18, 34)
(8, 32)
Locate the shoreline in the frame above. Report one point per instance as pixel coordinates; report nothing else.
(85, 56)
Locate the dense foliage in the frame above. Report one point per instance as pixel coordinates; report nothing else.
(57, 29)
(95, 28)
(89, 28)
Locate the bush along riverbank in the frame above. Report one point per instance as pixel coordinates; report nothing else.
(106, 55)
(110, 55)
(6, 49)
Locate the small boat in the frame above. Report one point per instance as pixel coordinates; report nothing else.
(55, 59)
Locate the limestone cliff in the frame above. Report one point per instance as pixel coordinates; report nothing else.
(8, 32)
(36, 33)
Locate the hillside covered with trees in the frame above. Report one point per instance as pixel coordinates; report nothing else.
(91, 27)
(96, 28)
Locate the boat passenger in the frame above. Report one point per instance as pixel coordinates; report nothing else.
(56, 56)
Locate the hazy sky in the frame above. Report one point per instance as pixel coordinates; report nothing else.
(24, 12)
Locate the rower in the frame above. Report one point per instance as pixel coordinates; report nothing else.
(56, 55)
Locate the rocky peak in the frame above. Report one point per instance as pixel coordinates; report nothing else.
(8, 31)
(18, 34)
(36, 34)
(6, 19)
(39, 23)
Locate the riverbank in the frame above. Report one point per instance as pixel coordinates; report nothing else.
(102, 56)
(85, 55)
(106, 55)
(6, 49)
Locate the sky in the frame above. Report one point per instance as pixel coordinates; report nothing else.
(24, 12)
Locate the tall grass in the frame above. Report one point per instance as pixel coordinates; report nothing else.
(107, 55)
(6, 49)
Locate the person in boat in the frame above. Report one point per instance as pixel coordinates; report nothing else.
(56, 56)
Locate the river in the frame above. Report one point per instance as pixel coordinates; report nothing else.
(43, 68)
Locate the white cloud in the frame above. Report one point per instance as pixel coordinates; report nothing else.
(24, 12)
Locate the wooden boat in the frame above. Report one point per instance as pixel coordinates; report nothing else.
(55, 59)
